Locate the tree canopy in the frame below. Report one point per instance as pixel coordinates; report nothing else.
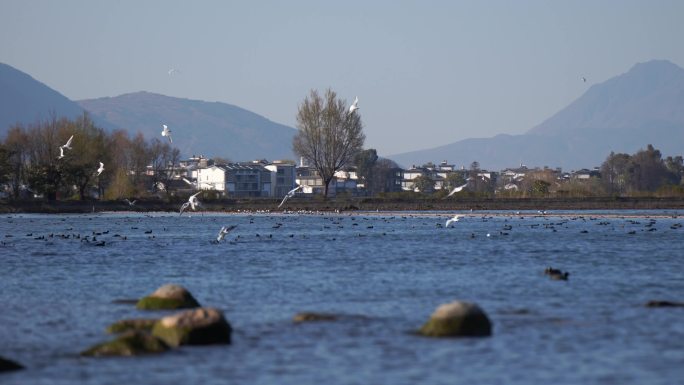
(329, 135)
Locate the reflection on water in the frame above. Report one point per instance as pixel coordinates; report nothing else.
(383, 273)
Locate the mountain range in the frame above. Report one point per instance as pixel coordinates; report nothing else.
(197, 127)
(623, 114)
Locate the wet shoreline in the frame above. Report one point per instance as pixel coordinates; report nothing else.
(352, 205)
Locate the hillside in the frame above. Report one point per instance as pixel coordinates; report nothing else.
(198, 127)
(24, 100)
(622, 114)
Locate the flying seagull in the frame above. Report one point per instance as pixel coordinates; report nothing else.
(354, 106)
(166, 132)
(456, 189)
(68, 143)
(61, 152)
(456, 218)
(224, 230)
(193, 202)
(173, 71)
(584, 80)
(289, 195)
(129, 202)
(99, 170)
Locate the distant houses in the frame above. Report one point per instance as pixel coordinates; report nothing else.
(263, 178)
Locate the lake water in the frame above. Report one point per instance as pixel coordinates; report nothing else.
(383, 274)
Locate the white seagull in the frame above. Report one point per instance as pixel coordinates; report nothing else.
(584, 79)
(224, 230)
(99, 170)
(61, 152)
(68, 143)
(193, 202)
(129, 202)
(289, 195)
(173, 71)
(354, 106)
(166, 132)
(456, 218)
(456, 189)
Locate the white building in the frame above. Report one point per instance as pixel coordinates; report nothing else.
(212, 178)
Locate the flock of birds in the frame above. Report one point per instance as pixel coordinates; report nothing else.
(333, 223)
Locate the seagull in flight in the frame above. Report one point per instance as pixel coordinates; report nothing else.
(129, 202)
(224, 230)
(68, 143)
(456, 189)
(584, 80)
(289, 195)
(354, 106)
(173, 71)
(166, 132)
(61, 152)
(99, 170)
(193, 202)
(456, 218)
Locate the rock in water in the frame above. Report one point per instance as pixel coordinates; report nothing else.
(201, 326)
(125, 325)
(457, 319)
(664, 304)
(168, 297)
(9, 365)
(313, 317)
(131, 343)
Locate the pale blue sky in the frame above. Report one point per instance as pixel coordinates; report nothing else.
(426, 73)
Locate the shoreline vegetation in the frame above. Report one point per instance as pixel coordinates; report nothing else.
(349, 205)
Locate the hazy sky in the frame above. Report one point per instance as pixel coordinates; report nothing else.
(426, 73)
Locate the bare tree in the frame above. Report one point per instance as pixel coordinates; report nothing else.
(16, 144)
(164, 160)
(329, 135)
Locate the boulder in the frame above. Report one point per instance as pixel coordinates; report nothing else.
(311, 317)
(9, 365)
(457, 319)
(141, 324)
(131, 343)
(201, 326)
(168, 297)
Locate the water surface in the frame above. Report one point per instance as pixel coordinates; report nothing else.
(382, 273)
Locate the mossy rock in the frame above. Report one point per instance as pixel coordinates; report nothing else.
(129, 344)
(203, 326)
(313, 317)
(168, 297)
(125, 325)
(9, 365)
(457, 319)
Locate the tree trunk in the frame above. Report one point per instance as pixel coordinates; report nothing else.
(326, 182)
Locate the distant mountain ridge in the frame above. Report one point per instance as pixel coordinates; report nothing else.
(24, 100)
(623, 114)
(198, 127)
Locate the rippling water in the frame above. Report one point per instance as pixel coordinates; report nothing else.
(383, 274)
